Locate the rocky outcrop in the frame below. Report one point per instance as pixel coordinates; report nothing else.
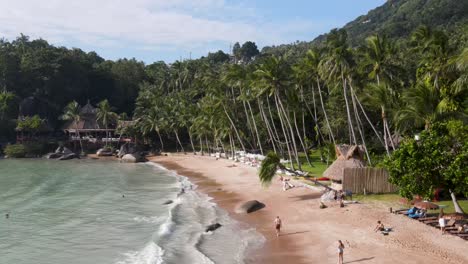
(213, 227)
(133, 158)
(62, 153)
(104, 152)
(249, 207)
(69, 156)
(127, 148)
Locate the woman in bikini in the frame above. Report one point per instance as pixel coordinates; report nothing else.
(340, 252)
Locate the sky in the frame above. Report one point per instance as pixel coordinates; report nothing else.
(168, 30)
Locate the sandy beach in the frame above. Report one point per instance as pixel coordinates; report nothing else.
(310, 234)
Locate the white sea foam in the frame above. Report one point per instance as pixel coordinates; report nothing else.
(183, 229)
(150, 220)
(150, 254)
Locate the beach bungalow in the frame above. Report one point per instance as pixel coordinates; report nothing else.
(89, 129)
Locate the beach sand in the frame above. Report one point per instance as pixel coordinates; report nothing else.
(310, 234)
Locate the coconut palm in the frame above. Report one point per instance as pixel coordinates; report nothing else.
(271, 164)
(272, 78)
(72, 113)
(105, 116)
(336, 67)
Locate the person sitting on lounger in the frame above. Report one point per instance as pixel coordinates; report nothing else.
(412, 210)
(418, 214)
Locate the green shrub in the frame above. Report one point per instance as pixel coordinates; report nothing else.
(15, 151)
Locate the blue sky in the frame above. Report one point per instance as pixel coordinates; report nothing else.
(152, 30)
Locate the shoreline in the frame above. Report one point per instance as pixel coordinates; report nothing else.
(309, 234)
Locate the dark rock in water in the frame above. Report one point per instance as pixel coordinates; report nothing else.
(53, 155)
(69, 156)
(212, 227)
(168, 202)
(249, 207)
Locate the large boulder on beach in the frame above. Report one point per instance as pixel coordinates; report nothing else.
(133, 158)
(213, 227)
(69, 156)
(127, 148)
(104, 152)
(249, 207)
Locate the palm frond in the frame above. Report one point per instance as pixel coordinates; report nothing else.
(268, 168)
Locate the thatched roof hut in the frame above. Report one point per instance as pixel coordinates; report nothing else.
(88, 121)
(347, 157)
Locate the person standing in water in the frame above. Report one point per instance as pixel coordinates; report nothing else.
(340, 252)
(278, 226)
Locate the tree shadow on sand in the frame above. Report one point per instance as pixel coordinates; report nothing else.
(306, 196)
(359, 260)
(294, 233)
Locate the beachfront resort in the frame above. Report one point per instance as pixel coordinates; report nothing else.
(221, 132)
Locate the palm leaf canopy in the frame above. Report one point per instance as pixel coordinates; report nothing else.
(268, 168)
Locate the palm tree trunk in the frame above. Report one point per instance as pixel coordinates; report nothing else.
(178, 140)
(234, 127)
(267, 125)
(280, 110)
(348, 113)
(384, 120)
(249, 124)
(301, 141)
(456, 206)
(201, 145)
(160, 139)
(285, 135)
(191, 141)
(389, 133)
(360, 129)
(325, 112)
(255, 127)
(272, 121)
(365, 115)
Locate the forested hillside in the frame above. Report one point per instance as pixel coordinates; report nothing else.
(396, 19)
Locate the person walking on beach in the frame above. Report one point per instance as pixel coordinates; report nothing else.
(442, 222)
(278, 226)
(340, 252)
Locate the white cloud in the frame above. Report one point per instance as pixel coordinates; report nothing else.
(156, 22)
(143, 24)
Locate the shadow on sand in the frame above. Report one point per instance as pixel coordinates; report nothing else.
(306, 196)
(359, 260)
(294, 233)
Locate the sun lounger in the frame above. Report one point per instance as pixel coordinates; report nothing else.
(400, 211)
(423, 219)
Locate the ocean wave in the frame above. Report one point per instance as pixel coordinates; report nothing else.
(150, 220)
(150, 254)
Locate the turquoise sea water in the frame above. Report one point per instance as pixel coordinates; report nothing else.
(86, 211)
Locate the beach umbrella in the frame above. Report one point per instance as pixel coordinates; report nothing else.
(426, 205)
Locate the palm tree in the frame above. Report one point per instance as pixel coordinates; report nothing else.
(273, 79)
(271, 164)
(72, 113)
(336, 66)
(105, 116)
(381, 96)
